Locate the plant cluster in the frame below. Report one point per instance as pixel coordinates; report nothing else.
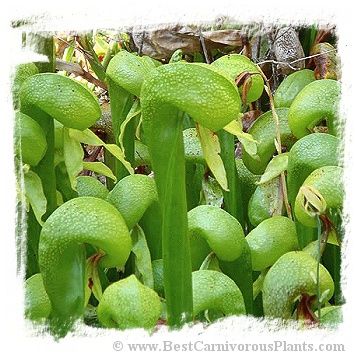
(195, 192)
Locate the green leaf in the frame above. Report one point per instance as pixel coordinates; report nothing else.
(90, 138)
(248, 142)
(34, 194)
(100, 168)
(192, 146)
(266, 201)
(135, 110)
(73, 155)
(101, 46)
(333, 238)
(59, 198)
(143, 260)
(85, 136)
(69, 52)
(212, 151)
(90, 54)
(274, 168)
(176, 56)
(118, 154)
(92, 278)
(88, 273)
(211, 262)
(96, 288)
(212, 193)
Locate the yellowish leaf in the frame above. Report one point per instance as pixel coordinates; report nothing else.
(249, 143)
(212, 151)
